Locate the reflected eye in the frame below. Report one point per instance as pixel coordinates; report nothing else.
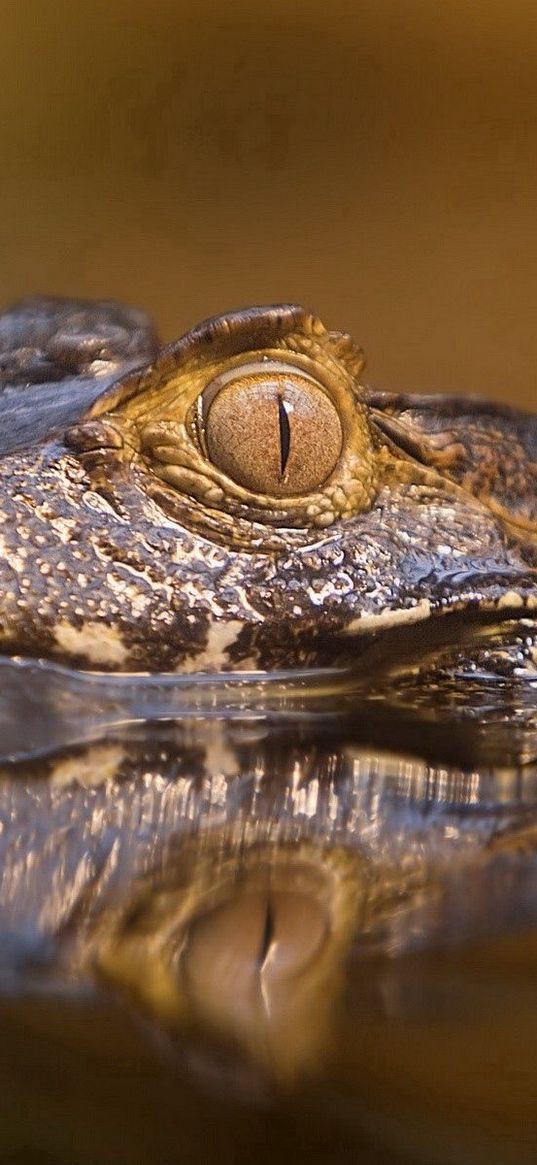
(271, 428)
(252, 939)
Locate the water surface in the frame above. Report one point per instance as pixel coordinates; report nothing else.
(289, 915)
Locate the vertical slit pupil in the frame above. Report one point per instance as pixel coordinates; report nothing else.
(268, 934)
(285, 434)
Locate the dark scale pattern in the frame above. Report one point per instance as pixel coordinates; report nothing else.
(115, 583)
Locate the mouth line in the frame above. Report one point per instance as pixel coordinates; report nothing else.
(46, 705)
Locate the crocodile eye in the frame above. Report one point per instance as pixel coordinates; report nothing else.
(271, 428)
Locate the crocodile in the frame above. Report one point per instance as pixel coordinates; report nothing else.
(239, 501)
(277, 896)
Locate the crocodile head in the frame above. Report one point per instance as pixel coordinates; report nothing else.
(240, 501)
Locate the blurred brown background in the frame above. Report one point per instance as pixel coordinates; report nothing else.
(374, 159)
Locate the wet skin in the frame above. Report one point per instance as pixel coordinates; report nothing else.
(241, 501)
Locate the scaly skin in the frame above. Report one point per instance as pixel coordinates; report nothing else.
(124, 547)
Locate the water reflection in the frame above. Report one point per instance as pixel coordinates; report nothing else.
(307, 919)
(243, 944)
(466, 714)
